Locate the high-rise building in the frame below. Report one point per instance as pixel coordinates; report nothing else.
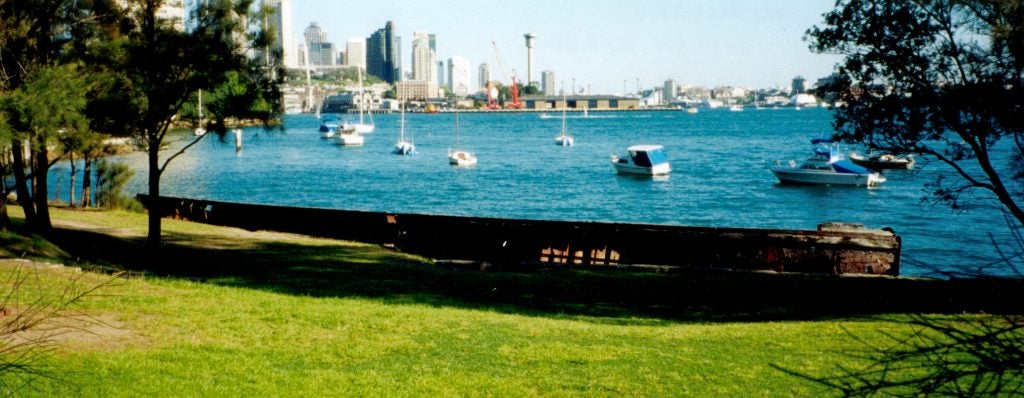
(459, 82)
(441, 73)
(547, 79)
(669, 91)
(483, 76)
(280, 19)
(799, 85)
(424, 59)
(382, 56)
(315, 34)
(355, 52)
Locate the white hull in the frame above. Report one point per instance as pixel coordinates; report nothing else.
(349, 139)
(327, 134)
(461, 158)
(790, 175)
(629, 168)
(404, 148)
(360, 128)
(564, 140)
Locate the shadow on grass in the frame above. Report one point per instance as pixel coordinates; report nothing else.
(613, 296)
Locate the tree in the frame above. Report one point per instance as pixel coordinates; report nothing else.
(942, 79)
(939, 78)
(161, 67)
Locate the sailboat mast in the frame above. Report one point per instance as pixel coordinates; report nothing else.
(362, 97)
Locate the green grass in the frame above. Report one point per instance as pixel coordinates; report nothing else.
(227, 312)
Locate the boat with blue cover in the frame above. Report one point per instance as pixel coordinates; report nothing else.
(648, 160)
(328, 127)
(826, 166)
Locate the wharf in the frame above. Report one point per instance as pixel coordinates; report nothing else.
(833, 248)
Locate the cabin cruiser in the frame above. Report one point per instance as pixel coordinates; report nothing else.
(825, 167)
(328, 127)
(648, 160)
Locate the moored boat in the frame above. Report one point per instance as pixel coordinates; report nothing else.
(649, 160)
(349, 138)
(328, 127)
(825, 166)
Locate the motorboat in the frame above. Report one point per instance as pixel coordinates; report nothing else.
(460, 157)
(328, 127)
(349, 138)
(885, 161)
(736, 108)
(648, 160)
(691, 110)
(826, 166)
(563, 138)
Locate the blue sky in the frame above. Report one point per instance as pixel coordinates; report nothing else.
(601, 43)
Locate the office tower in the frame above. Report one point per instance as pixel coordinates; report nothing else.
(483, 76)
(355, 52)
(280, 19)
(548, 82)
(799, 85)
(459, 81)
(424, 59)
(669, 91)
(315, 34)
(382, 56)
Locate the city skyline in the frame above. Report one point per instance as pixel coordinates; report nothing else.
(604, 45)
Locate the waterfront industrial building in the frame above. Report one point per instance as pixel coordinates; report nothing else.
(579, 102)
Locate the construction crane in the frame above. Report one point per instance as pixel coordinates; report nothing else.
(514, 89)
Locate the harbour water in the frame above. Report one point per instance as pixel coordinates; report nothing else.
(720, 176)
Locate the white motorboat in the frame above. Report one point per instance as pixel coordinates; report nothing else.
(349, 138)
(361, 127)
(403, 146)
(825, 167)
(328, 127)
(885, 161)
(563, 138)
(736, 108)
(459, 157)
(648, 160)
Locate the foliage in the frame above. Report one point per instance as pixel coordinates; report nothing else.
(942, 79)
(111, 178)
(964, 356)
(38, 311)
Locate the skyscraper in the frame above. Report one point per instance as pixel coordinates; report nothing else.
(315, 34)
(424, 59)
(280, 19)
(670, 91)
(355, 52)
(483, 76)
(547, 78)
(382, 54)
(459, 81)
(321, 52)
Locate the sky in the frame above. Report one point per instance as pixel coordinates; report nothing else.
(604, 45)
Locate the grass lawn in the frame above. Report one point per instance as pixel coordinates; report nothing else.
(227, 312)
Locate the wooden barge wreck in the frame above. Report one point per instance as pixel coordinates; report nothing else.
(834, 248)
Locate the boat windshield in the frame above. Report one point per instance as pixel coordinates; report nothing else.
(648, 158)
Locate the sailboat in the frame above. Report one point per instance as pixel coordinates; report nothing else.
(403, 147)
(201, 129)
(459, 157)
(563, 138)
(361, 127)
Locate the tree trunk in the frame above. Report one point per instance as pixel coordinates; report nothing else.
(21, 182)
(87, 181)
(71, 186)
(41, 162)
(153, 239)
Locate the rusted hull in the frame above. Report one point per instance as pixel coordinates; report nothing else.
(832, 249)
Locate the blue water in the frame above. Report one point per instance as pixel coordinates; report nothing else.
(719, 178)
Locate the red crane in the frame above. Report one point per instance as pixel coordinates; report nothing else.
(515, 104)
